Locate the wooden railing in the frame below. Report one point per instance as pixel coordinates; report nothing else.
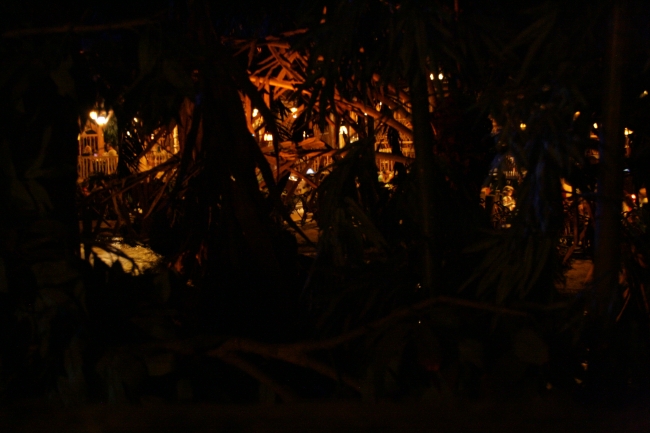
(154, 159)
(88, 165)
(388, 163)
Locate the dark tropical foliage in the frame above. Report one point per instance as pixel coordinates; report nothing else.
(412, 292)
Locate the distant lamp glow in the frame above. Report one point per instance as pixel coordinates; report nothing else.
(627, 131)
(310, 171)
(633, 196)
(93, 115)
(576, 115)
(595, 126)
(644, 94)
(268, 136)
(522, 126)
(343, 130)
(440, 76)
(431, 76)
(101, 120)
(293, 177)
(135, 119)
(294, 109)
(255, 112)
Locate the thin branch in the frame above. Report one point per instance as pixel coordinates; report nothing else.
(377, 115)
(282, 352)
(295, 352)
(285, 394)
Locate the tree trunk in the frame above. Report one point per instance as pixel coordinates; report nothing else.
(425, 169)
(607, 256)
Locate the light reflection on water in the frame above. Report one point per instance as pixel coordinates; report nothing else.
(143, 256)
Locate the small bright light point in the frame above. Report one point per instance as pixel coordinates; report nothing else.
(644, 94)
(595, 126)
(268, 136)
(310, 171)
(255, 112)
(440, 76)
(343, 130)
(294, 109)
(135, 119)
(293, 177)
(101, 120)
(128, 133)
(633, 196)
(627, 131)
(522, 126)
(93, 115)
(431, 76)
(576, 115)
